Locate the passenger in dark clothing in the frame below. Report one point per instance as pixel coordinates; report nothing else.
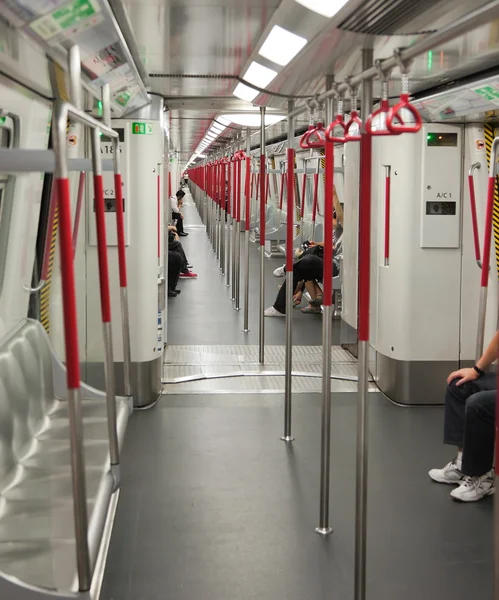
(175, 262)
(470, 407)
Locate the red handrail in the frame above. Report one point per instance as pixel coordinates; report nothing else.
(262, 200)
(474, 219)
(159, 215)
(248, 193)
(316, 196)
(364, 276)
(290, 210)
(100, 218)
(303, 193)
(328, 225)
(281, 195)
(387, 214)
(120, 229)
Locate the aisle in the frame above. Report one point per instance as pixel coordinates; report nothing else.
(203, 313)
(215, 507)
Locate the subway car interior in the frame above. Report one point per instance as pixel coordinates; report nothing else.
(249, 261)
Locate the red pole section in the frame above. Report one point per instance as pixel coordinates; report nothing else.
(365, 235)
(262, 200)
(169, 184)
(68, 284)
(328, 224)
(159, 215)
(290, 219)
(303, 194)
(474, 220)
(247, 192)
(488, 232)
(281, 196)
(316, 196)
(100, 219)
(120, 229)
(79, 203)
(267, 195)
(239, 186)
(229, 188)
(387, 215)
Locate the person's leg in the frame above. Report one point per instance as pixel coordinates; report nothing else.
(280, 301)
(478, 448)
(456, 398)
(174, 269)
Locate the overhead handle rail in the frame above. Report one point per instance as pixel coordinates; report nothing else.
(474, 218)
(395, 113)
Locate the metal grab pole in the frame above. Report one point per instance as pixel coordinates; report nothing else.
(120, 231)
(234, 227)
(364, 286)
(238, 234)
(290, 218)
(474, 219)
(261, 332)
(387, 214)
(230, 205)
(105, 297)
(324, 528)
(487, 238)
(247, 207)
(223, 218)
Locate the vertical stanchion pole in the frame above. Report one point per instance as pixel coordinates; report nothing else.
(263, 192)
(230, 205)
(324, 527)
(217, 208)
(247, 219)
(100, 220)
(290, 219)
(238, 233)
(487, 239)
(234, 226)
(363, 310)
(223, 218)
(70, 320)
(205, 207)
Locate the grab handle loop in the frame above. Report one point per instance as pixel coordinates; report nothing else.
(354, 119)
(384, 106)
(338, 122)
(404, 104)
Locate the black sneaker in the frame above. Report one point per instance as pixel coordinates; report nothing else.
(183, 234)
(172, 294)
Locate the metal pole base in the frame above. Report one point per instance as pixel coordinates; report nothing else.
(287, 438)
(245, 330)
(323, 530)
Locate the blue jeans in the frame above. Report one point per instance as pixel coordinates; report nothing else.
(470, 411)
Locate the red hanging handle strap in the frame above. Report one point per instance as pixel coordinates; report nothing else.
(314, 137)
(394, 115)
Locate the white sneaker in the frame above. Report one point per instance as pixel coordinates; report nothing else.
(280, 271)
(449, 474)
(475, 488)
(272, 312)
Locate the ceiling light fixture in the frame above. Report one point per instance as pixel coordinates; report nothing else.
(259, 75)
(245, 93)
(326, 8)
(252, 119)
(281, 46)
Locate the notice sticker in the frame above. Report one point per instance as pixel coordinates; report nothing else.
(142, 128)
(479, 144)
(489, 93)
(71, 14)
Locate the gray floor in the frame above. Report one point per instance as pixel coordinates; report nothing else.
(203, 313)
(215, 507)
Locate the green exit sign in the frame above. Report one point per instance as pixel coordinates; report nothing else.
(142, 128)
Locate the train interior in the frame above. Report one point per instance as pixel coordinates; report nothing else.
(179, 418)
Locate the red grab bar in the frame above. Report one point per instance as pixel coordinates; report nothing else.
(303, 193)
(248, 193)
(100, 219)
(474, 219)
(387, 213)
(239, 185)
(120, 229)
(263, 201)
(364, 235)
(316, 196)
(68, 284)
(281, 195)
(328, 225)
(290, 209)
(159, 215)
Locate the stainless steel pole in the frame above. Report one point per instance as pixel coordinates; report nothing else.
(290, 218)
(261, 333)
(247, 218)
(324, 527)
(363, 310)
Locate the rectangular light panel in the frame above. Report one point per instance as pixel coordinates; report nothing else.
(326, 8)
(259, 75)
(245, 93)
(281, 46)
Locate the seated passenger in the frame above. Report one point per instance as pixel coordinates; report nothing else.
(174, 269)
(174, 245)
(177, 216)
(470, 406)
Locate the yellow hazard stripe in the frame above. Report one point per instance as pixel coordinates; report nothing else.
(489, 138)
